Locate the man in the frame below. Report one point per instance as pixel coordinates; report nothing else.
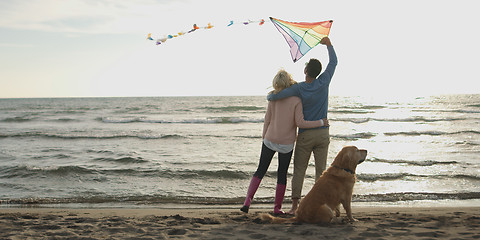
(314, 94)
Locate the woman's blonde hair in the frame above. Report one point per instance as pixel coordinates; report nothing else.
(282, 80)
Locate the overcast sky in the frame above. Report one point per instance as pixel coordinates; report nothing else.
(87, 48)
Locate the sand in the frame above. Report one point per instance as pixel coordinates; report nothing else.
(218, 223)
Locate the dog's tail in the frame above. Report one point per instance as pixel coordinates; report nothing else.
(272, 219)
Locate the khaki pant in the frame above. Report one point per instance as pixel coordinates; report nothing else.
(316, 140)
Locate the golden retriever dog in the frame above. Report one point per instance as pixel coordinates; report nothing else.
(334, 187)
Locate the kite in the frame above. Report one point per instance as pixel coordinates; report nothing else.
(302, 36)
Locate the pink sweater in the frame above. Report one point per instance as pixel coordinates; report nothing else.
(282, 118)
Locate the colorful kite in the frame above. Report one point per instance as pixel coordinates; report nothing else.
(302, 36)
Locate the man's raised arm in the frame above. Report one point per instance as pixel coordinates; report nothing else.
(332, 63)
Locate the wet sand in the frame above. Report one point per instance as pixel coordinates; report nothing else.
(218, 223)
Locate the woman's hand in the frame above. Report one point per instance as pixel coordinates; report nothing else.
(325, 122)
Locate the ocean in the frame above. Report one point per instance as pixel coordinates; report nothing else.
(202, 151)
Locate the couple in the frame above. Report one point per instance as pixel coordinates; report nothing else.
(289, 104)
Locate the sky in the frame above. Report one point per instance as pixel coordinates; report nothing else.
(98, 48)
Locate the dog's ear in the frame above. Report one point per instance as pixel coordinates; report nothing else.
(343, 158)
(346, 159)
(339, 158)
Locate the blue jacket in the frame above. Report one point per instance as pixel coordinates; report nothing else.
(314, 95)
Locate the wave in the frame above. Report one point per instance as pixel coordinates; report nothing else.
(114, 136)
(76, 171)
(406, 176)
(28, 119)
(17, 119)
(235, 109)
(430, 133)
(66, 120)
(414, 196)
(467, 143)
(370, 107)
(125, 200)
(123, 160)
(449, 110)
(184, 174)
(30, 171)
(39, 172)
(99, 198)
(349, 137)
(210, 120)
(223, 120)
(357, 109)
(120, 136)
(366, 135)
(209, 174)
(73, 111)
(352, 120)
(130, 110)
(415, 163)
(350, 111)
(355, 136)
(410, 119)
(420, 119)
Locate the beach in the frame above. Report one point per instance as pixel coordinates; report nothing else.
(222, 223)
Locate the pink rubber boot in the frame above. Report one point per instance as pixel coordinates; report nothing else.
(279, 194)
(254, 183)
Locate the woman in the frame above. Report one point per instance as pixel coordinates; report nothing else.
(279, 134)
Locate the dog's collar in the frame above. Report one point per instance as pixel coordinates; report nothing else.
(345, 169)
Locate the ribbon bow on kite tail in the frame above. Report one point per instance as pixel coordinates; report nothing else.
(302, 36)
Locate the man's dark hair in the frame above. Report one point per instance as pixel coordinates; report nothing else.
(314, 67)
